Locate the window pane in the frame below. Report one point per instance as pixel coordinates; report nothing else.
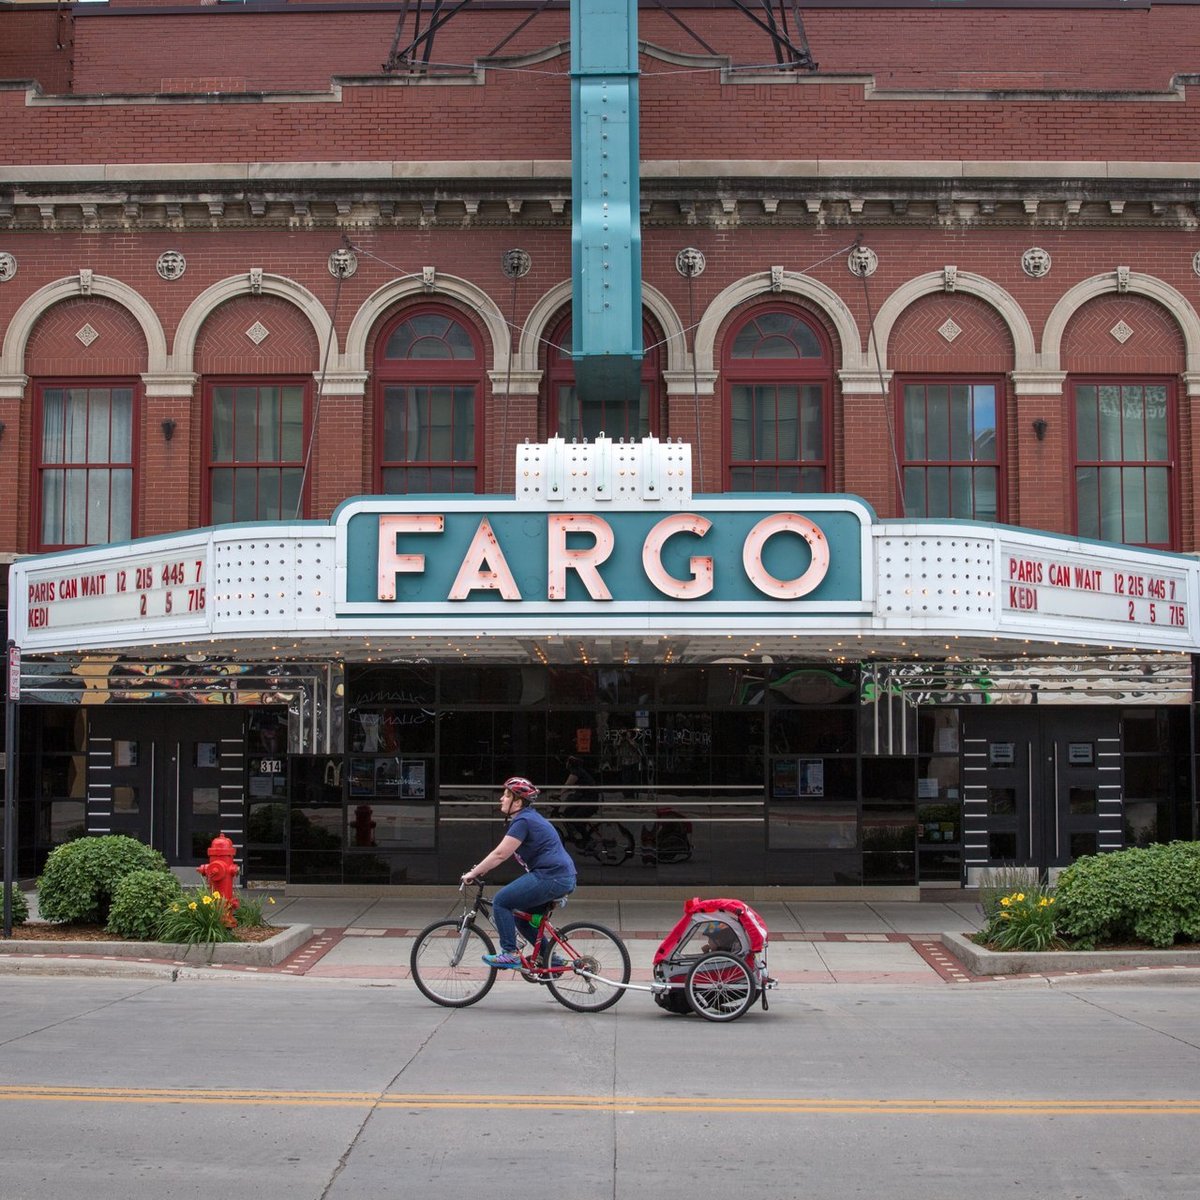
(222, 424)
(985, 494)
(1087, 502)
(914, 492)
(984, 410)
(221, 500)
(289, 490)
(1110, 423)
(268, 425)
(742, 409)
(1086, 429)
(53, 409)
(121, 444)
(960, 422)
(937, 492)
(121, 506)
(75, 431)
(291, 432)
(430, 337)
(1158, 500)
(98, 418)
(961, 492)
(787, 419)
(1133, 489)
(1156, 423)
(813, 423)
(1111, 525)
(245, 494)
(1133, 424)
(937, 400)
(914, 421)
(245, 425)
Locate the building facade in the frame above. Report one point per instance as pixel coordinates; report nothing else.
(951, 271)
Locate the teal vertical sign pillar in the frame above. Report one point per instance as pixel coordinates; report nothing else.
(606, 236)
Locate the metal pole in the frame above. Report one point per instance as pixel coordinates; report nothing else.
(10, 779)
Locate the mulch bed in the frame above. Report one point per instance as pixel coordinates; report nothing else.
(40, 931)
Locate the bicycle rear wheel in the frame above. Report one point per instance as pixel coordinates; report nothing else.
(447, 966)
(598, 951)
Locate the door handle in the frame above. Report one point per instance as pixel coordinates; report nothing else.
(1029, 800)
(1057, 812)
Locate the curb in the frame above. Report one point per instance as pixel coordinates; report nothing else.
(1060, 963)
(14, 952)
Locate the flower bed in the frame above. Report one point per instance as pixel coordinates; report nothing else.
(979, 960)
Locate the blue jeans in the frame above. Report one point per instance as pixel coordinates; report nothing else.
(527, 893)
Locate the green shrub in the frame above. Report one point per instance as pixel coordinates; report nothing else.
(1145, 894)
(197, 916)
(138, 903)
(80, 877)
(250, 910)
(20, 906)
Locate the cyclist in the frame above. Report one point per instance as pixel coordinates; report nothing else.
(549, 869)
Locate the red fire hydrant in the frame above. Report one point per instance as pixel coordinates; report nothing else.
(220, 872)
(364, 827)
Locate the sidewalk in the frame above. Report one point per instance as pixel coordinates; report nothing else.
(811, 942)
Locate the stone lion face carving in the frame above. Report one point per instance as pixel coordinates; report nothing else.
(1035, 262)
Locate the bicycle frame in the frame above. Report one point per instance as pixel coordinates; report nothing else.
(530, 966)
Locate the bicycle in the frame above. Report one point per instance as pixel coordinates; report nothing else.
(448, 968)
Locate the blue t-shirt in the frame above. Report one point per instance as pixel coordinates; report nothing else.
(541, 847)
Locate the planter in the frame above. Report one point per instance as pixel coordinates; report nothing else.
(981, 961)
(244, 954)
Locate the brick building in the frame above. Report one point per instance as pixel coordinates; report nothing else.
(258, 258)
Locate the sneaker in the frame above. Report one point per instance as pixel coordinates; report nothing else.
(502, 960)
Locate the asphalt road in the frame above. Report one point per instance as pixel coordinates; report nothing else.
(305, 1090)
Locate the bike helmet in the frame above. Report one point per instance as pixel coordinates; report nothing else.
(521, 788)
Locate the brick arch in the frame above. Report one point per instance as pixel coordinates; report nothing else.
(1155, 347)
(984, 343)
(290, 347)
(53, 348)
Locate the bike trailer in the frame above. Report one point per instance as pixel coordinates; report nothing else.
(714, 962)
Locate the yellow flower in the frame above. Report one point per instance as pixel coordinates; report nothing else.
(1044, 901)
(1005, 901)
(206, 898)
(1020, 895)
(1050, 900)
(270, 899)
(192, 906)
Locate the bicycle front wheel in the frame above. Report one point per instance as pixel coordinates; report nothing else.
(598, 951)
(447, 963)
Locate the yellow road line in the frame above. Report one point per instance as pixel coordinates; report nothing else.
(774, 1106)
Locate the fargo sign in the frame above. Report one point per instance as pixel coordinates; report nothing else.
(724, 555)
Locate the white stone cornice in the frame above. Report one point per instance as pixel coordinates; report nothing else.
(515, 383)
(1038, 382)
(684, 383)
(12, 387)
(864, 382)
(169, 385)
(342, 383)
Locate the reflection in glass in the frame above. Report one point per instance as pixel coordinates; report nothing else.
(125, 754)
(813, 825)
(1083, 843)
(1002, 846)
(206, 802)
(1002, 802)
(125, 799)
(1082, 801)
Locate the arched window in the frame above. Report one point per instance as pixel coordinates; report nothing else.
(571, 418)
(950, 452)
(429, 379)
(1123, 436)
(778, 380)
(85, 454)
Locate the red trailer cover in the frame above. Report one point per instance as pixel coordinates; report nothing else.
(750, 921)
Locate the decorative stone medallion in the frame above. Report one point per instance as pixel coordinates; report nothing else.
(257, 333)
(1035, 262)
(515, 263)
(87, 335)
(863, 261)
(343, 263)
(1121, 332)
(8, 266)
(690, 262)
(949, 330)
(171, 265)
(1196, 262)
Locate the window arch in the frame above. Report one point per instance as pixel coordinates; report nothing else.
(568, 417)
(429, 373)
(777, 377)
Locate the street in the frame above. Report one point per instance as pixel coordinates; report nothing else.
(332, 1090)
